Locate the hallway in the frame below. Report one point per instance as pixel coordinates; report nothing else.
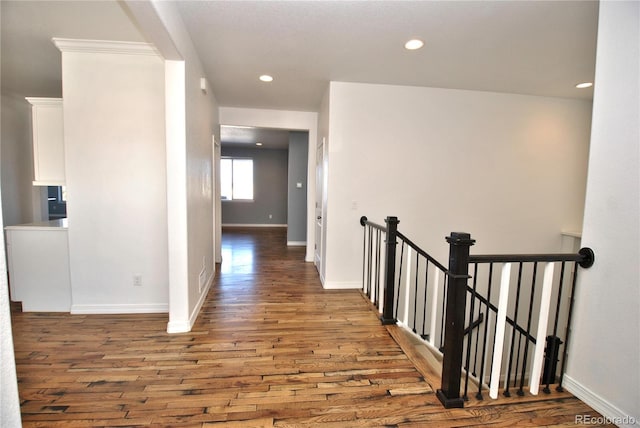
(270, 348)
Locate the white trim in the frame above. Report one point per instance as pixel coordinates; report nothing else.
(434, 350)
(572, 233)
(322, 277)
(124, 308)
(184, 326)
(296, 243)
(252, 225)
(105, 46)
(284, 119)
(48, 183)
(599, 404)
(178, 327)
(40, 101)
(201, 300)
(342, 285)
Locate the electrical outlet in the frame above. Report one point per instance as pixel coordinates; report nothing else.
(137, 280)
(270, 216)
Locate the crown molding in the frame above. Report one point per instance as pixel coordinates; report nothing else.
(39, 101)
(105, 46)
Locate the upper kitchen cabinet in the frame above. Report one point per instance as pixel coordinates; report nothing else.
(48, 141)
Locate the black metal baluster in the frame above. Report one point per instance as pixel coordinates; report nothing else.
(526, 342)
(506, 392)
(549, 372)
(566, 335)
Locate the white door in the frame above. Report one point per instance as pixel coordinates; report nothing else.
(318, 211)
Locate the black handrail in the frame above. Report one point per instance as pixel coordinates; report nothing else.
(422, 252)
(494, 308)
(364, 221)
(585, 258)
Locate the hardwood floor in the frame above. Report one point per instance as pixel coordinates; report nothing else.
(270, 348)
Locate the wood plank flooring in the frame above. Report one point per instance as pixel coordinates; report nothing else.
(270, 348)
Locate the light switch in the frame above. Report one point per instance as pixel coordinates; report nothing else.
(299, 185)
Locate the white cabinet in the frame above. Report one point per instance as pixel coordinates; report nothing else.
(38, 263)
(48, 141)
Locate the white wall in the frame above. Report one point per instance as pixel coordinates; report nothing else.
(322, 199)
(509, 169)
(23, 203)
(9, 398)
(283, 119)
(192, 116)
(116, 180)
(202, 123)
(604, 357)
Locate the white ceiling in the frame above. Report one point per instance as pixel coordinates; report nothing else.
(31, 64)
(528, 47)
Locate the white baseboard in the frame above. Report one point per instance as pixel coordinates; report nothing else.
(253, 225)
(184, 326)
(296, 243)
(174, 327)
(337, 285)
(611, 413)
(125, 308)
(201, 300)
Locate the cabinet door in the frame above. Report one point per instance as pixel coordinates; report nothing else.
(48, 142)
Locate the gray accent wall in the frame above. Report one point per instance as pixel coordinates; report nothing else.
(297, 208)
(269, 188)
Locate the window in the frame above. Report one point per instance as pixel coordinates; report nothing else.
(236, 179)
(57, 202)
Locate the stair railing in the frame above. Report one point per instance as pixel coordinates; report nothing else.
(470, 323)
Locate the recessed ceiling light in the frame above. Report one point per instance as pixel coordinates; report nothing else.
(258, 144)
(584, 85)
(414, 44)
(266, 78)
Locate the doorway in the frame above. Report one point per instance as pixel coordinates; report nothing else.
(276, 179)
(289, 121)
